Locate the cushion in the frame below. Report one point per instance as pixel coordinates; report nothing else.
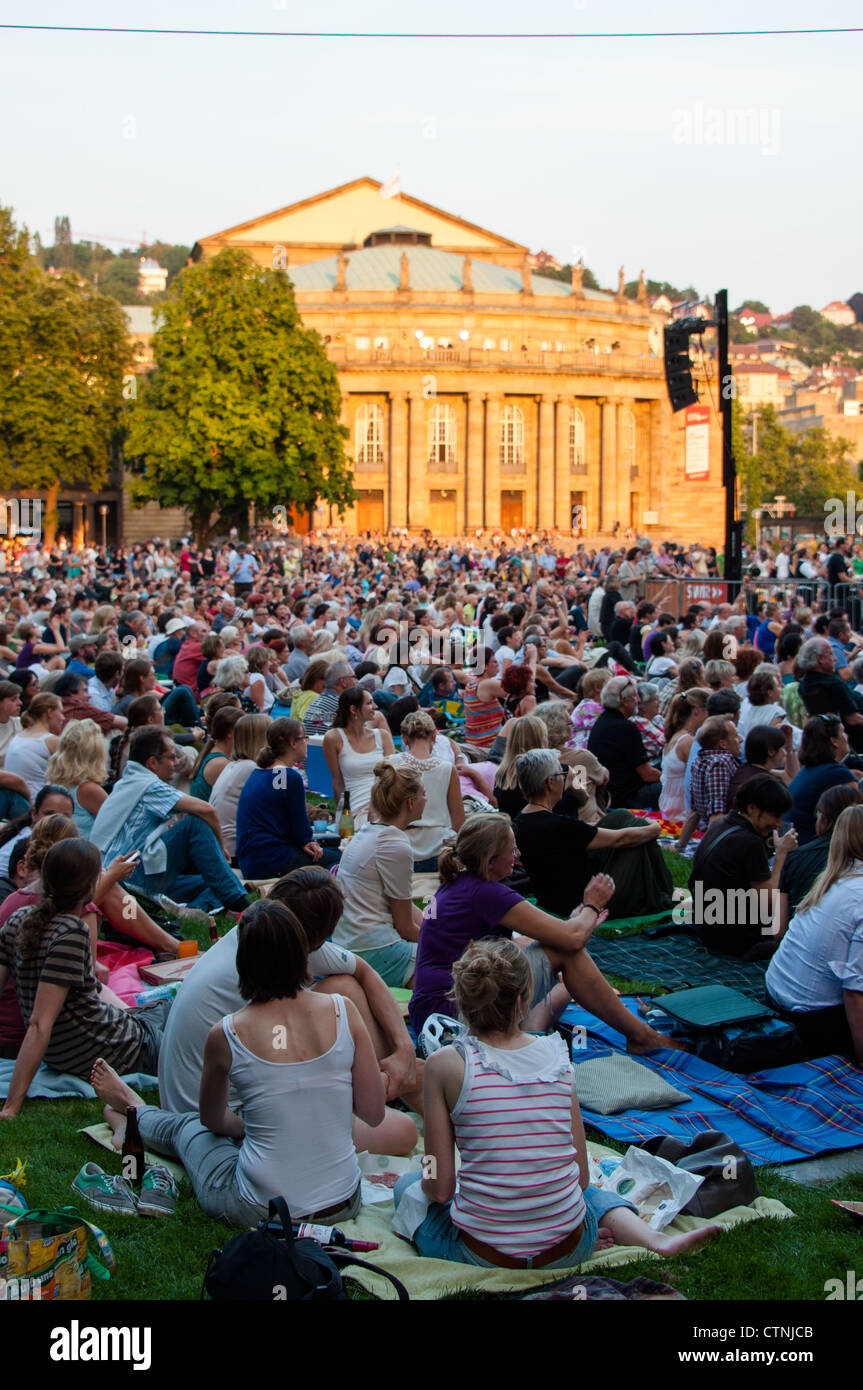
(610, 1084)
(712, 1006)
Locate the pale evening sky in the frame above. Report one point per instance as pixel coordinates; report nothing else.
(625, 150)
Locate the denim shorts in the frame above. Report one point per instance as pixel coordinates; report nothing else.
(395, 964)
(544, 975)
(438, 1239)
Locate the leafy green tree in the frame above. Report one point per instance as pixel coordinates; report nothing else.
(63, 352)
(807, 469)
(589, 282)
(243, 405)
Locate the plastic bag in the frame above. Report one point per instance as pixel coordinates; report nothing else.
(654, 1186)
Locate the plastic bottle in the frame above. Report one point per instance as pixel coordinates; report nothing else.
(147, 996)
(346, 820)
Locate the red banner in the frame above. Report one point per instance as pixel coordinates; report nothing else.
(704, 591)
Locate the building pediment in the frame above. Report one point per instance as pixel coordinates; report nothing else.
(344, 217)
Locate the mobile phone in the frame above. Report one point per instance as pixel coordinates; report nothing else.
(134, 856)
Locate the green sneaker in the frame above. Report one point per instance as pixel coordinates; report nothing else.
(158, 1193)
(104, 1192)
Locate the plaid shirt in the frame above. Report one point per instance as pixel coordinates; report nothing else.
(712, 772)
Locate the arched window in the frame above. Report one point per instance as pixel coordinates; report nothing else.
(627, 439)
(577, 451)
(512, 439)
(369, 436)
(443, 436)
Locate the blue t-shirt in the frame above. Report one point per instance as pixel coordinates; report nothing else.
(805, 790)
(272, 822)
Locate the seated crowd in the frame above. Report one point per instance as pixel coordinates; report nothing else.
(521, 742)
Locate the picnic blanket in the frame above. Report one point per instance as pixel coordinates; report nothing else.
(430, 1279)
(57, 1085)
(677, 961)
(776, 1116)
(122, 963)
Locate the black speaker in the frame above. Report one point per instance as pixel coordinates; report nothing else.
(678, 367)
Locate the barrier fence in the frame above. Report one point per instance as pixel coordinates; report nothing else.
(677, 595)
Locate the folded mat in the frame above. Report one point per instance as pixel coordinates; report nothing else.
(678, 961)
(429, 1279)
(54, 1085)
(776, 1115)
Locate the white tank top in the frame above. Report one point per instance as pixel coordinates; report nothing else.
(672, 800)
(28, 758)
(298, 1142)
(427, 835)
(358, 771)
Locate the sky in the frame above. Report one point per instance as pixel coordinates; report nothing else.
(720, 162)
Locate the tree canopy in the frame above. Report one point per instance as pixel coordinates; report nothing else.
(806, 469)
(63, 352)
(243, 405)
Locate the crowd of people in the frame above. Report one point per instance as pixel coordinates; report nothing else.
(521, 723)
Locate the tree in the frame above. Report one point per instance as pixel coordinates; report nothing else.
(807, 469)
(243, 405)
(63, 351)
(589, 281)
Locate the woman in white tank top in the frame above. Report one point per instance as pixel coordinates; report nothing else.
(301, 1064)
(353, 747)
(443, 816)
(28, 753)
(686, 714)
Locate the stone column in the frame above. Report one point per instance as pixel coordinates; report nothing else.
(397, 511)
(473, 476)
(624, 476)
(659, 454)
(418, 497)
(493, 406)
(565, 481)
(545, 508)
(607, 465)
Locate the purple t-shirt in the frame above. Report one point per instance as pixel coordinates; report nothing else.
(459, 912)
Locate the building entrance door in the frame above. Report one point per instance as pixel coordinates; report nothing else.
(370, 511)
(442, 513)
(511, 511)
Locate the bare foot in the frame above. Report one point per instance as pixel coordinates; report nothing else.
(109, 1087)
(689, 1240)
(117, 1120)
(650, 1039)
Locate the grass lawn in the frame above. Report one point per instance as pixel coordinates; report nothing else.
(166, 1259)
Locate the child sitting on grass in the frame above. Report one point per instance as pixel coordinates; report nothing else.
(507, 1100)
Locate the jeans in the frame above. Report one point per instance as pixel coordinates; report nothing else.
(197, 866)
(210, 1161)
(152, 1019)
(180, 707)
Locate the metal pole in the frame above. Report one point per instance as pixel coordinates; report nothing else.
(729, 473)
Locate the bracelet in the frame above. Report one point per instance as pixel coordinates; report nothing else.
(597, 910)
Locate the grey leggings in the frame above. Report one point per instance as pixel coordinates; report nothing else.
(210, 1161)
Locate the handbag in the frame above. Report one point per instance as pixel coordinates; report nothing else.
(270, 1264)
(729, 1178)
(47, 1255)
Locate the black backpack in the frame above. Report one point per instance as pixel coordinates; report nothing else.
(272, 1265)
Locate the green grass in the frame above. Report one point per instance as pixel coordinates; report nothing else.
(166, 1259)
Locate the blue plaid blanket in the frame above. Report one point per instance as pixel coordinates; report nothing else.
(775, 1116)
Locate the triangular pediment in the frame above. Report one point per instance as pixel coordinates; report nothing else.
(346, 215)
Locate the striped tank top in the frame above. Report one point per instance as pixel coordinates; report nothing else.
(518, 1187)
(482, 718)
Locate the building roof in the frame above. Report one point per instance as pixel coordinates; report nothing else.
(139, 318)
(378, 268)
(836, 304)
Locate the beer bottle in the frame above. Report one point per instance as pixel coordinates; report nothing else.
(346, 820)
(132, 1152)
